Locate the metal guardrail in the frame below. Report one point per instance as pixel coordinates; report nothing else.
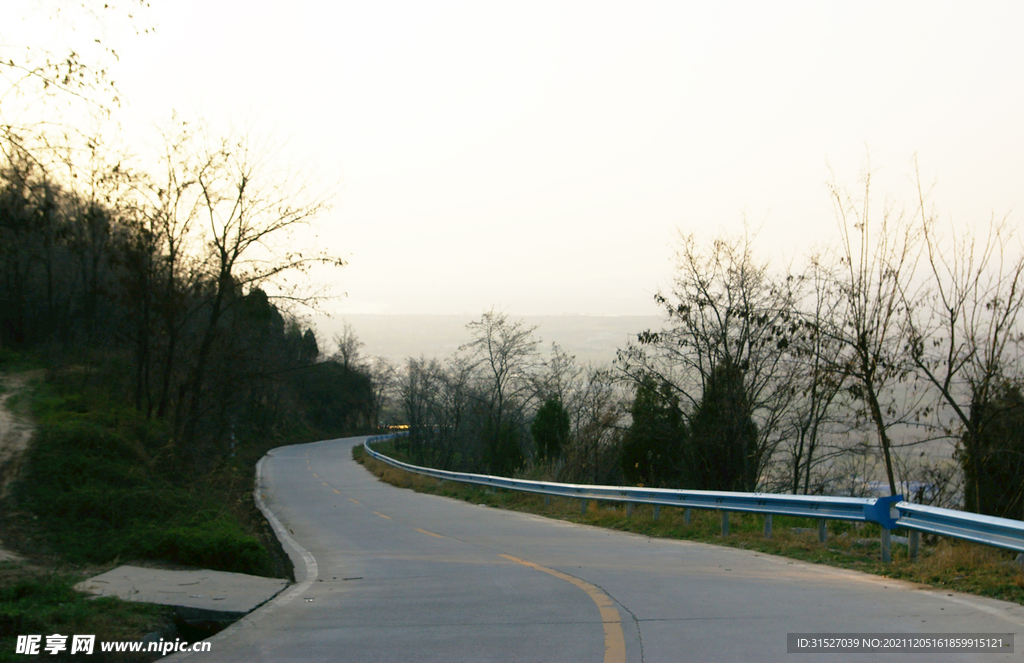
(861, 509)
(889, 512)
(992, 531)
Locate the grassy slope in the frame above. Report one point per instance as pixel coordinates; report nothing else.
(948, 564)
(39, 602)
(97, 489)
(100, 482)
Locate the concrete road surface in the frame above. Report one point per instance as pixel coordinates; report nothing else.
(390, 575)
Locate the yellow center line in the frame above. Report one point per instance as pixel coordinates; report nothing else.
(423, 531)
(315, 475)
(382, 515)
(336, 491)
(354, 501)
(325, 484)
(614, 640)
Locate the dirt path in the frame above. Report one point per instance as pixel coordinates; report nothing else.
(15, 434)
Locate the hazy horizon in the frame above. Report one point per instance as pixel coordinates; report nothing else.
(398, 336)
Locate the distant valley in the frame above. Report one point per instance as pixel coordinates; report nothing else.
(592, 339)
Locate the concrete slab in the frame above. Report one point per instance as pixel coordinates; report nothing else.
(198, 594)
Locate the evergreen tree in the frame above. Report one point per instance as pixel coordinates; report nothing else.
(653, 445)
(722, 451)
(503, 453)
(550, 428)
(994, 464)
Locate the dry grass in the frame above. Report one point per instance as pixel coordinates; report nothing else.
(946, 563)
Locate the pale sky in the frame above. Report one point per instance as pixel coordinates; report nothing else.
(537, 156)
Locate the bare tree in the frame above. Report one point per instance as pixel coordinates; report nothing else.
(49, 86)
(252, 216)
(383, 375)
(436, 399)
(725, 310)
(596, 411)
(170, 214)
(817, 385)
(348, 347)
(927, 481)
(454, 416)
(76, 70)
(875, 265)
(504, 353)
(31, 225)
(416, 391)
(100, 183)
(560, 376)
(964, 336)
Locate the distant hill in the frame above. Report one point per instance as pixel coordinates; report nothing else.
(591, 338)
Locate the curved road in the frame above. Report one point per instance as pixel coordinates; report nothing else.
(392, 575)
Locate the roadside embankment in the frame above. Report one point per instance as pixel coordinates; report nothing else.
(87, 484)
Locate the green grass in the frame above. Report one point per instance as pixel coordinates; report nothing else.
(949, 564)
(99, 486)
(10, 360)
(100, 479)
(45, 603)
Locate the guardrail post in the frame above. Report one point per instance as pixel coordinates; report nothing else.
(686, 515)
(725, 523)
(767, 525)
(547, 500)
(583, 506)
(822, 531)
(914, 544)
(629, 509)
(657, 511)
(886, 545)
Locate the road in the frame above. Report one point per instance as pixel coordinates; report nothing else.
(392, 575)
